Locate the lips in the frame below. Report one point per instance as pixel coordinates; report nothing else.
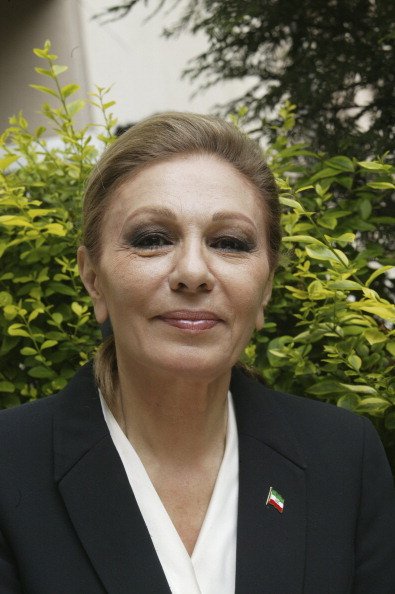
(196, 320)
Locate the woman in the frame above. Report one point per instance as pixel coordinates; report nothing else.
(164, 467)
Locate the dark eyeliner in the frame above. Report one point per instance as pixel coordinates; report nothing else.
(235, 244)
(149, 238)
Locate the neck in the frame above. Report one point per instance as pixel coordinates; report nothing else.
(173, 420)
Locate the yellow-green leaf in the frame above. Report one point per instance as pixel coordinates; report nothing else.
(345, 285)
(373, 165)
(68, 90)
(344, 237)
(41, 53)
(360, 388)
(374, 406)
(297, 293)
(303, 188)
(40, 372)
(14, 221)
(374, 336)
(278, 353)
(381, 185)
(6, 386)
(320, 252)
(47, 344)
(57, 317)
(34, 314)
(75, 106)
(5, 298)
(44, 72)
(382, 310)
(10, 311)
(355, 362)
(39, 212)
(77, 309)
(324, 173)
(7, 161)
(342, 257)
(292, 203)
(302, 239)
(324, 388)
(28, 351)
(56, 229)
(317, 291)
(17, 330)
(348, 401)
(377, 273)
(58, 69)
(43, 89)
(341, 162)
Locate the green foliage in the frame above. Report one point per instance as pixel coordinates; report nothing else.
(329, 330)
(333, 59)
(329, 334)
(46, 324)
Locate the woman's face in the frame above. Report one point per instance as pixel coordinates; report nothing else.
(184, 273)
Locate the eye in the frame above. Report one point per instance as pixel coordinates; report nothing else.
(231, 244)
(150, 241)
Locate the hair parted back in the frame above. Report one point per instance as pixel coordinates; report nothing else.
(163, 137)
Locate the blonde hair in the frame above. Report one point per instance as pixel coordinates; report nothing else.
(159, 138)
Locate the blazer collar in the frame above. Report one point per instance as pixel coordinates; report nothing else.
(270, 545)
(261, 415)
(106, 517)
(96, 492)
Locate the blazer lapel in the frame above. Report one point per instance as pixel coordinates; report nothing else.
(270, 544)
(98, 497)
(108, 522)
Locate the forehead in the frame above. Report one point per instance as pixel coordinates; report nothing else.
(198, 185)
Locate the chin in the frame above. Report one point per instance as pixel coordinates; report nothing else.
(202, 368)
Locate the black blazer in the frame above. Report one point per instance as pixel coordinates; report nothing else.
(70, 524)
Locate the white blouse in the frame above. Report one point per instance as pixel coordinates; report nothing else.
(212, 567)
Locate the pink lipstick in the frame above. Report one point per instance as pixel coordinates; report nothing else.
(190, 319)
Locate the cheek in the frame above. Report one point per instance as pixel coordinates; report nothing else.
(249, 283)
(129, 283)
(248, 292)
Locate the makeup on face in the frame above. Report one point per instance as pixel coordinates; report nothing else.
(184, 272)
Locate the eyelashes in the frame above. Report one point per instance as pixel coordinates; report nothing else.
(228, 243)
(150, 240)
(158, 240)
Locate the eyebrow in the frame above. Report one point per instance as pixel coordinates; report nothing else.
(154, 210)
(223, 215)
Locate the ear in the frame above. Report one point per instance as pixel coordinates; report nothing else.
(90, 278)
(267, 292)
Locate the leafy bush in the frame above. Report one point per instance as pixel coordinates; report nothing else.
(329, 334)
(46, 324)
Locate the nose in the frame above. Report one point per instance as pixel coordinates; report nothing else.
(191, 272)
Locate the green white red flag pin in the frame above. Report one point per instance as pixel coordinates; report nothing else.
(276, 500)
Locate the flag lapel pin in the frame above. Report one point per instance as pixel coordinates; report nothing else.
(276, 500)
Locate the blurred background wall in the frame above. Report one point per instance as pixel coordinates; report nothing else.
(25, 24)
(130, 54)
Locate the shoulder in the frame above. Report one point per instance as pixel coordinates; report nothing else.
(317, 435)
(26, 454)
(27, 417)
(30, 437)
(309, 416)
(28, 427)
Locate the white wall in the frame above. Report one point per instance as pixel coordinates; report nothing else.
(25, 24)
(130, 54)
(145, 68)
